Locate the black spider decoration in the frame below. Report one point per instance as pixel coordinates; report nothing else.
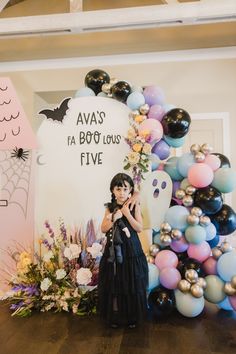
(20, 154)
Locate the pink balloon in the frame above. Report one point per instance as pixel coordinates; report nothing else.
(154, 128)
(169, 277)
(161, 167)
(213, 161)
(180, 245)
(232, 300)
(156, 112)
(165, 259)
(200, 175)
(199, 252)
(209, 266)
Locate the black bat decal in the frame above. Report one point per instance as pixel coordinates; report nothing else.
(57, 113)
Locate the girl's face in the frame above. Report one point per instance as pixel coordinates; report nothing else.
(122, 193)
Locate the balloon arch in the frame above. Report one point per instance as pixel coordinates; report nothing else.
(186, 262)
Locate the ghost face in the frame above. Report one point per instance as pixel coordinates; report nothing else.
(156, 193)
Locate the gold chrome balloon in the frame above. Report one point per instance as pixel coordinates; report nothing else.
(190, 190)
(196, 211)
(191, 275)
(187, 200)
(154, 249)
(204, 220)
(225, 247)
(144, 109)
(106, 88)
(166, 239)
(176, 234)
(206, 149)
(180, 193)
(165, 227)
(150, 259)
(229, 290)
(195, 148)
(184, 285)
(216, 252)
(192, 219)
(233, 281)
(199, 157)
(196, 290)
(201, 282)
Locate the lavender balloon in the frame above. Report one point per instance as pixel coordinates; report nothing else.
(153, 95)
(161, 149)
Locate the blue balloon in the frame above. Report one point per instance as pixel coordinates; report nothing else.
(188, 305)
(214, 242)
(178, 142)
(84, 92)
(102, 94)
(135, 100)
(153, 276)
(156, 239)
(155, 162)
(184, 163)
(210, 232)
(168, 107)
(226, 265)
(225, 305)
(195, 234)
(171, 168)
(176, 216)
(224, 180)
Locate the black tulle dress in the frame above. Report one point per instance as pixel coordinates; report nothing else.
(125, 281)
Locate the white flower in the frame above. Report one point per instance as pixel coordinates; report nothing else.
(95, 250)
(60, 274)
(73, 251)
(147, 148)
(133, 157)
(84, 276)
(75, 308)
(48, 256)
(45, 283)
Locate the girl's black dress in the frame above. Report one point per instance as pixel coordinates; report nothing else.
(126, 281)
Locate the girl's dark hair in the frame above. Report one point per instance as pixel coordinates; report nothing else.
(119, 181)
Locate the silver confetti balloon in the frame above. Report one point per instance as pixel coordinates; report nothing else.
(192, 219)
(180, 194)
(165, 227)
(196, 211)
(229, 290)
(154, 249)
(196, 290)
(216, 252)
(233, 281)
(144, 109)
(199, 157)
(226, 247)
(204, 220)
(190, 190)
(206, 149)
(191, 275)
(184, 285)
(195, 148)
(187, 201)
(201, 282)
(176, 234)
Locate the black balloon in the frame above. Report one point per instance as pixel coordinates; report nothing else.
(209, 199)
(173, 202)
(95, 79)
(176, 123)
(224, 220)
(120, 91)
(190, 263)
(224, 161)
(161, 301)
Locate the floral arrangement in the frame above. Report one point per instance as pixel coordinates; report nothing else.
(62, 276)
(138, 159)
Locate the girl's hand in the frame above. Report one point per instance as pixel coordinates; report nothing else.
(117, 215)
(125, 209)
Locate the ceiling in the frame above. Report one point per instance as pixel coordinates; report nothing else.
(108, 42)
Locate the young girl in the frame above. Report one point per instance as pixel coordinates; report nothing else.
(123, 272)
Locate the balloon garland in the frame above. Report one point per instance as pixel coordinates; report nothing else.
(186, 262)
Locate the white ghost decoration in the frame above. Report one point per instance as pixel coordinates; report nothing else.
(156, 193)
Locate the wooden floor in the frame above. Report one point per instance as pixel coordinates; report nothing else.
(213, 331)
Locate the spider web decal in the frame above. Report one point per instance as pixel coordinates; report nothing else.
(15, 180)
